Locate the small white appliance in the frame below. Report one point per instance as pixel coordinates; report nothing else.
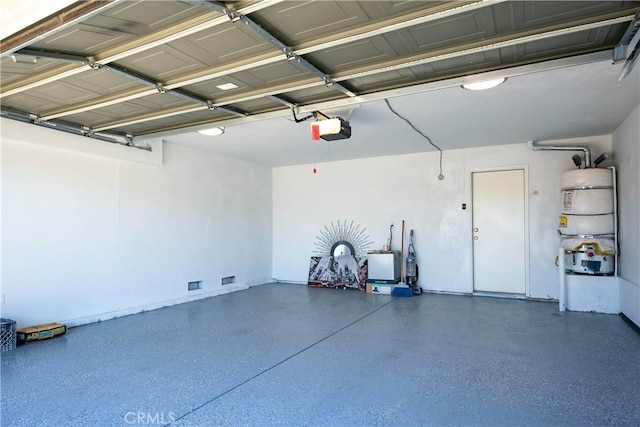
(383, 267)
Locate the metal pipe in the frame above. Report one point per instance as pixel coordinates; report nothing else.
(615, 219)
(114, 138)
(562, 300)
(587, 151)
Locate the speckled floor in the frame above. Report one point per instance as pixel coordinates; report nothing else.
(284, 354)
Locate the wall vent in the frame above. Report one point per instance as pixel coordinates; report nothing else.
(192, 286)
(228, 280)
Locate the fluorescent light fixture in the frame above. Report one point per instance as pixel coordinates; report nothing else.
(487, 84)
(227, 86)
(20, 59)
(212, 131)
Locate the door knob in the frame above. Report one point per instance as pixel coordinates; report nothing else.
(475, 237)
(475, 230)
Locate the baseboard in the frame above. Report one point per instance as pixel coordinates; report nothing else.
(289, 282)
(630, 323)
(154, 306)
(429, 291)
(259, 283)
(630, 300)
(499, 295)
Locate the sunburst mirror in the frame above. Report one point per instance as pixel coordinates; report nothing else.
(342, 238)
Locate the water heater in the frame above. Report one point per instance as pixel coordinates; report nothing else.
(588, 221)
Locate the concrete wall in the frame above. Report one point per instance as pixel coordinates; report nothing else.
(88, 237)
(626, 146)
(377, 192)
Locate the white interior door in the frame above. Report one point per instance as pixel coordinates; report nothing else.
(499, 231)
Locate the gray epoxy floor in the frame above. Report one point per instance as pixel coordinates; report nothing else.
(283, 354)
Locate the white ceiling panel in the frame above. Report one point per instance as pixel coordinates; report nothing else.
(62, 92)
(308, 19)
(85, 39)
(228, 42)
(150, 15)
(103, 81)
(164, 63)
(456, 30)
(31, 102)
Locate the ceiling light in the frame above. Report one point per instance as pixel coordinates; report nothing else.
(227, 86)
(212, 131)
(24, 59)
(487, 84)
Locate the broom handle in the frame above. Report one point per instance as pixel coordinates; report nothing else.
(402, 255)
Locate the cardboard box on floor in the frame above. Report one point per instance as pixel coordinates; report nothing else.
(380, 288)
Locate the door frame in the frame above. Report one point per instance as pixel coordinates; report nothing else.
(469, 179)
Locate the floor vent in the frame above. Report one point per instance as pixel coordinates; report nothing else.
(228, 280)
(192, 286)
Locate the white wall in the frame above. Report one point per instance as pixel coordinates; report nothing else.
(626, 146)
(88, 237)
(377, 192)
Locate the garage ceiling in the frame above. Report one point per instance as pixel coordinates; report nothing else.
(131, 70)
